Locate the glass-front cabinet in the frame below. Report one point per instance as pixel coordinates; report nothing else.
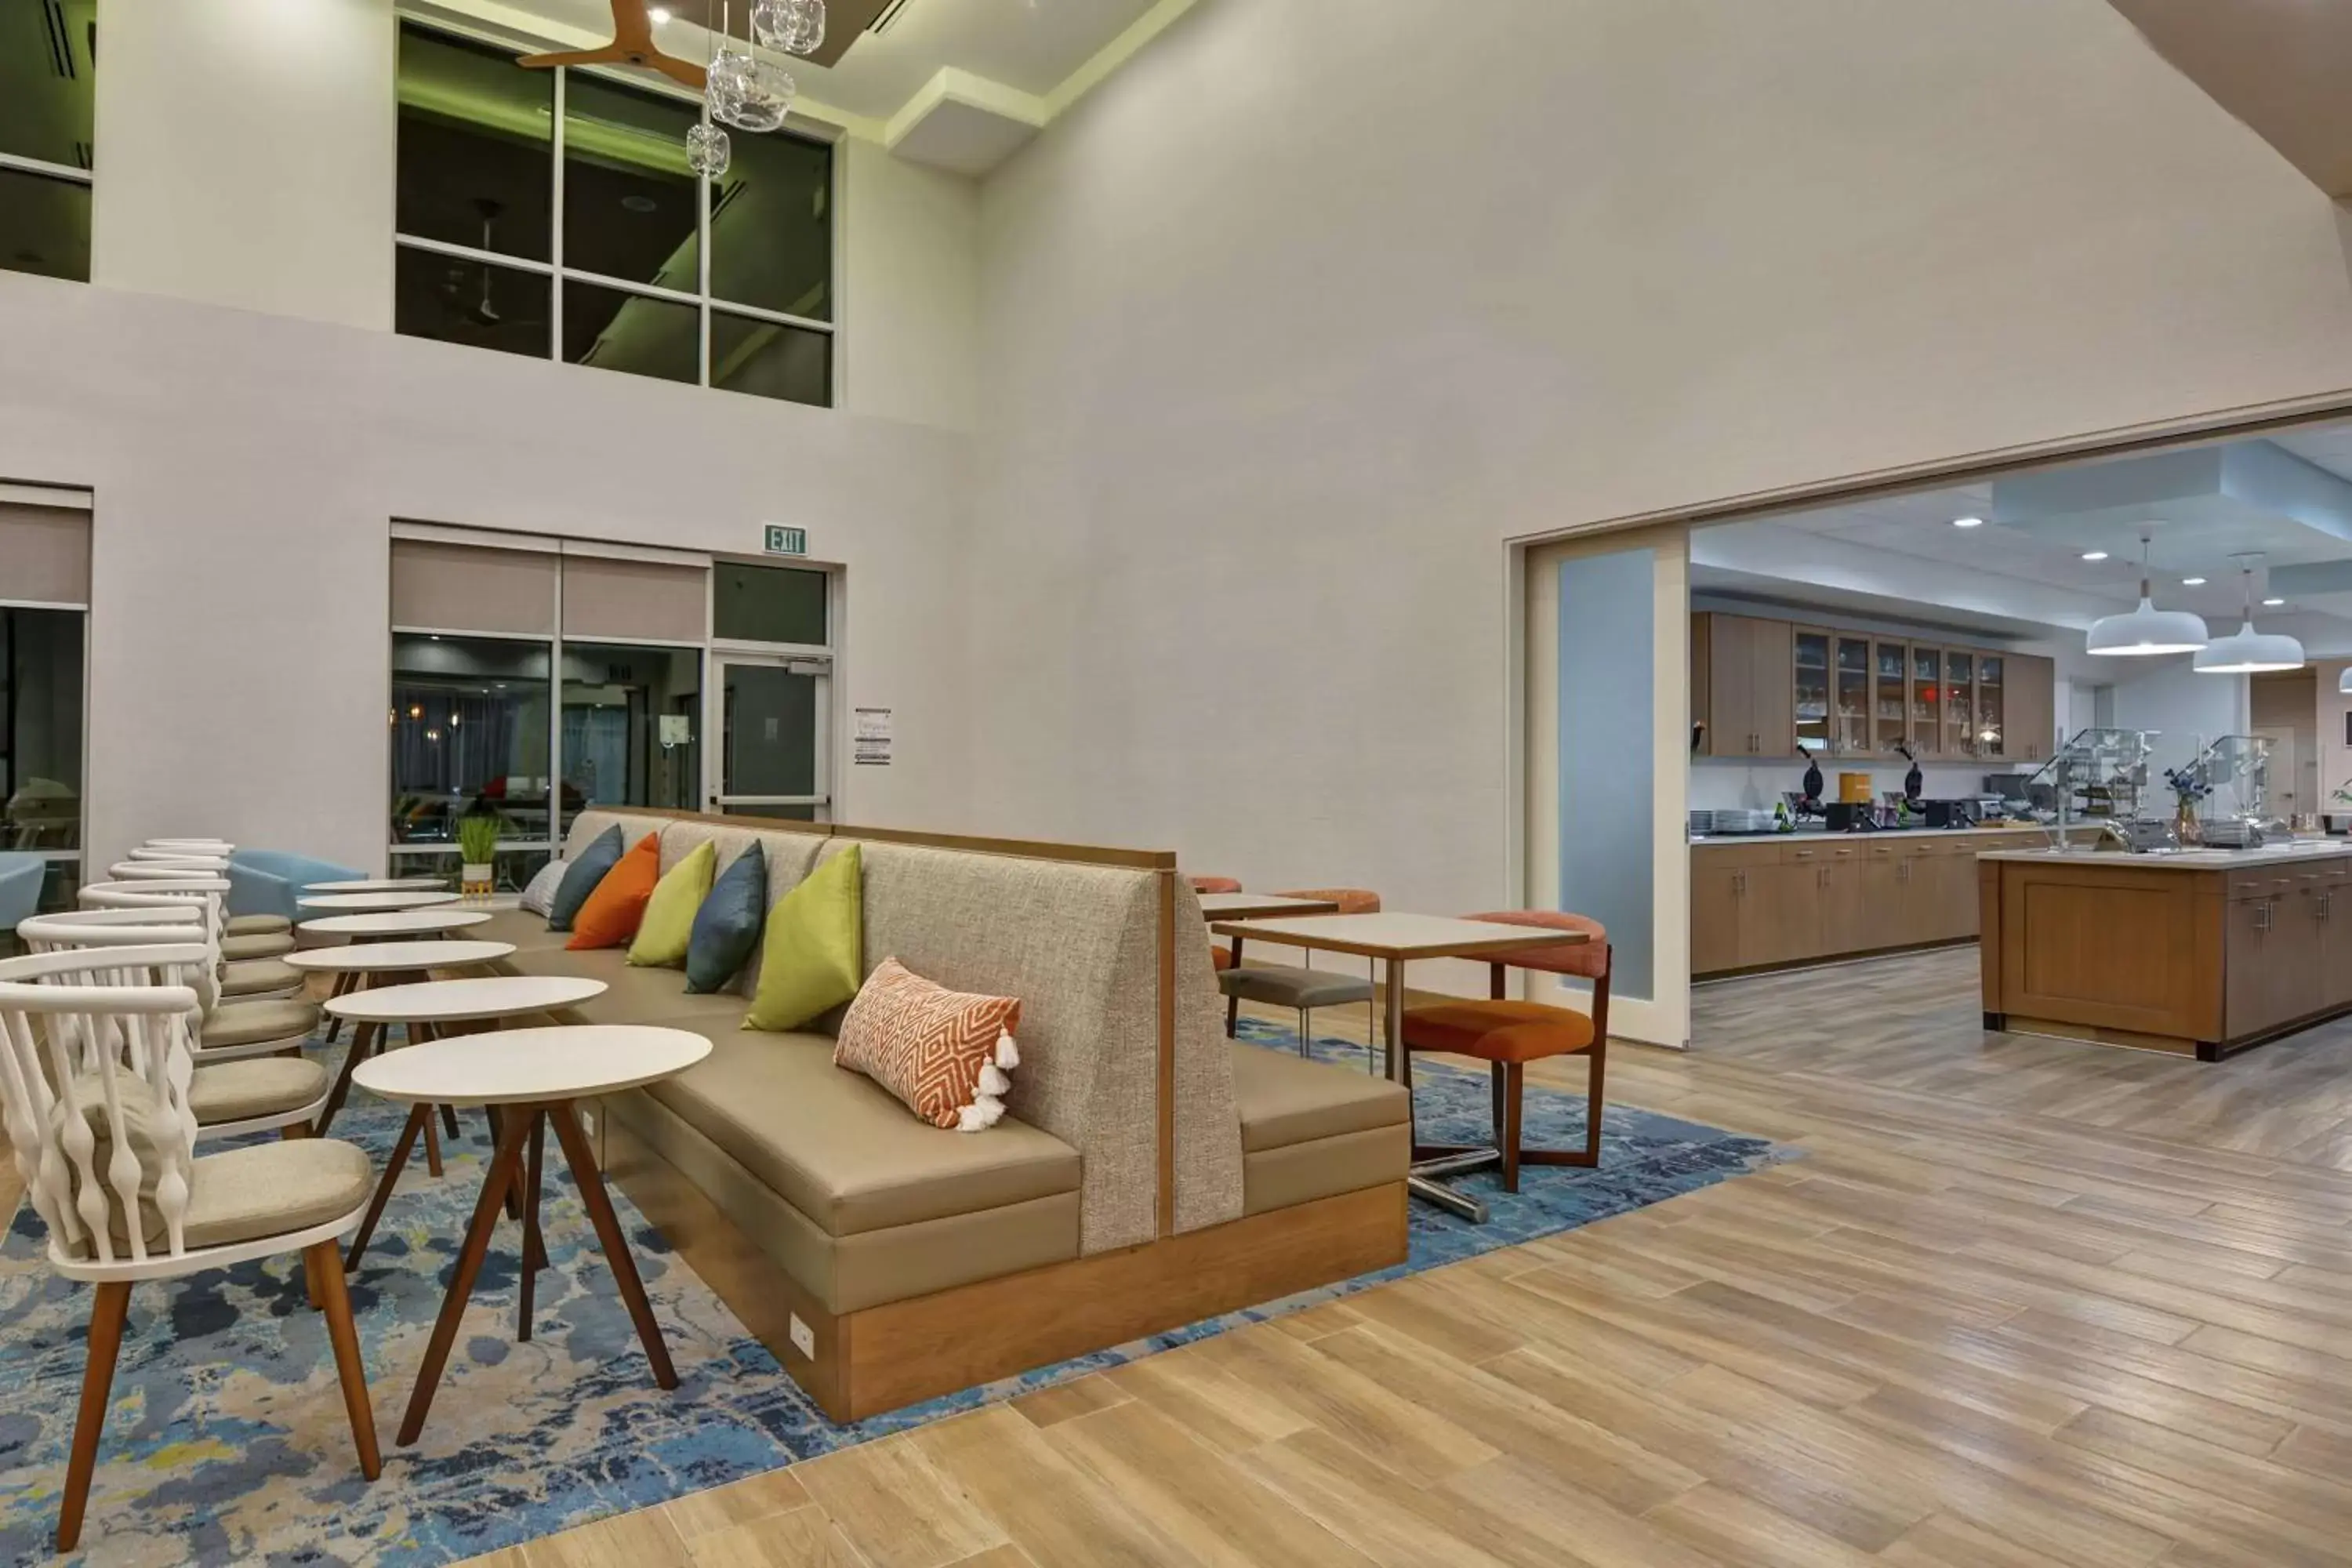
(1991, 711)
(1811, 660)
(1853, 729)
(1889, 700)
(1960, 704)
(1927, 702)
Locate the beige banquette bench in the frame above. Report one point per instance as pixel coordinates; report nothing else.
(1148, 1171)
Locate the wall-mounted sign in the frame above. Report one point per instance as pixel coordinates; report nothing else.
(677, 728)
(783, 541)
(870, 737)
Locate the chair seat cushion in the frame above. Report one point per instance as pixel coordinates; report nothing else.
(261, 1086)
(250, 1023)
(258, 925)
(259, 976)
(271, 1189)
(1284, 1100)
(256, 944)
(1503, 1031)
(841, 1149)
(1221, 958)
(1293, 987)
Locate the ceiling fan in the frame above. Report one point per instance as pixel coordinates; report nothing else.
(633, 44)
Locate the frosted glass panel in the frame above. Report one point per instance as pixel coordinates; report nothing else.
(1607, 786)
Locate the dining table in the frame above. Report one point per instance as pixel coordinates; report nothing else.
(1396, 939)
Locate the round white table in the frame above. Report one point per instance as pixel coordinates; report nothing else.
(396, 922)
(379, 885)
(428, 1008)
(414, 899)
(357, 966)
(534, 1076)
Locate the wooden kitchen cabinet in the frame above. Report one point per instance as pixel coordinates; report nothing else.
(1740, 686)
(2274, 945)
(1774, 689)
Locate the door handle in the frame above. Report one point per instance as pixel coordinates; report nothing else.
(2265, 923)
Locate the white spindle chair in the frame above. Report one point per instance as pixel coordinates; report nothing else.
(254, 1023)
(213, 1211)
(167, 847)
(242, 937)
(242, 979)
(211, 853)
(249, 1088)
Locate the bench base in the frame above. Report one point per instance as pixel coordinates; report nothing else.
(860, 1364)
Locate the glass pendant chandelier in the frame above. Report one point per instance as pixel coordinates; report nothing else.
(745, 91)
(2146, 630)
(2247, 651)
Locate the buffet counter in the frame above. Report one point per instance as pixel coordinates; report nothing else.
(2199, 952)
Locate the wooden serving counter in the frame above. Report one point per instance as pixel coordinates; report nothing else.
(2200, 954)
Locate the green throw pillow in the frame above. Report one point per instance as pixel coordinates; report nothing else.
(814, 956)
(670, 914)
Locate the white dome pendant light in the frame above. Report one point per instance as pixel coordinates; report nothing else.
(2344, 681)
(2247, 651)
(2146, 630)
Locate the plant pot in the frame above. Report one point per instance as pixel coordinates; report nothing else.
(475, 882)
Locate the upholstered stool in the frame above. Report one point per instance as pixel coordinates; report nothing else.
(1507, 1034)
(1303, 990)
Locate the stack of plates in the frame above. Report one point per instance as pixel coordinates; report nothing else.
(1701, 821)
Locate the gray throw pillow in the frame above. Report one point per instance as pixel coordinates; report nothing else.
(580, 878)
(539, 894)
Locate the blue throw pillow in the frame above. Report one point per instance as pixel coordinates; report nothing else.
(579, 878)
(727, 926)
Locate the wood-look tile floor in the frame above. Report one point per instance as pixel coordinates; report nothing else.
(2023, 1302)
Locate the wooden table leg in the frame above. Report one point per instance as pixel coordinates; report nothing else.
(590, 1181)
(106, 1315)
(340, 985)
(534, 1253)
(496, 1180)
(417, 1115)
(417, 1035)
(363, 1041)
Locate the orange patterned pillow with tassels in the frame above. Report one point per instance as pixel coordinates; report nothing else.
(944, 1053)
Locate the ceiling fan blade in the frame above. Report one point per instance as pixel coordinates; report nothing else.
(610, 53)
(683, 71)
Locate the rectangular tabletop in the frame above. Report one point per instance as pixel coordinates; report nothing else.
(1398, 936)
(1255, 906)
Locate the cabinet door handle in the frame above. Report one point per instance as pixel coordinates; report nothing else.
(2265, 923)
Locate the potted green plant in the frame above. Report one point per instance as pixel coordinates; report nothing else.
(477, 847)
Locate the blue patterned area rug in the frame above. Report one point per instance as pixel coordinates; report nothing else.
(227, 1440)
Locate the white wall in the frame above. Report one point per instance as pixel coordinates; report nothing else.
(2191, 710)
(1293, 323)
(246, 154)
(246, 470)
(909, 289)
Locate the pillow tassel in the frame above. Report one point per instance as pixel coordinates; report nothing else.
(980, 1115)
(993, 1080)
(1008, 1054)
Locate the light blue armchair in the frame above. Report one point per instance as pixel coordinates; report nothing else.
(268, 882)
(20, 892)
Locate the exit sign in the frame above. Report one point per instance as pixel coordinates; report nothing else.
(784, 540)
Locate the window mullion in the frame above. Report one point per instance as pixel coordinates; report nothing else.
(702, 277)
(555, 235)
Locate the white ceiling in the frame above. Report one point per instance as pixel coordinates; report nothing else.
(2034, 574)
(1031, 46)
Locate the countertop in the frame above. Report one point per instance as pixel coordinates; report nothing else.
(1875, 833)
(2282, 854)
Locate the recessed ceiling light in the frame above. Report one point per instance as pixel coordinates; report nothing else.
(657, 15)
(2272, 604)
(1968, 522)
(2095, 555)
(2192, 581)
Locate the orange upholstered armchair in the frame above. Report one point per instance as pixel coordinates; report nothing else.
(1217, 955)
(1507, 1034)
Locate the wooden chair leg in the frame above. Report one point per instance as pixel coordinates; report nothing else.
(106, 1311)
(1595, 1095)
(1514, 1086)
(1494, 1082)
(326, 1269)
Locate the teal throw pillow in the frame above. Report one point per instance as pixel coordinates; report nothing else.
(727, 927)
(580, 878)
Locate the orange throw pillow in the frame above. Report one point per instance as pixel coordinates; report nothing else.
(610, 917)
(944, 1053)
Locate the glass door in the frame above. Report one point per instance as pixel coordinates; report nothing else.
(1992, 716)
(1853, 695)
(1959, 705)
(1889, 701)
(772, 717)
(1927, 702)
(1812, 672)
